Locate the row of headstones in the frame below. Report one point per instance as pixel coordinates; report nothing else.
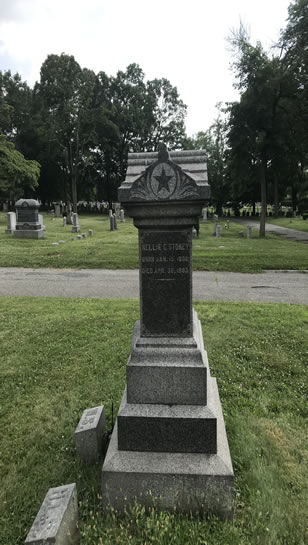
(113, 219)
(217, 232)
(57, 518)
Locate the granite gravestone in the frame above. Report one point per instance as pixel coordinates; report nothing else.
(169, 443)
(10, 222)
(28, 221)
(75, 223)
(57, 520)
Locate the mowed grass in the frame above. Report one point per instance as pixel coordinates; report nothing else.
(60, 356)
(119, 249)
(290, 223)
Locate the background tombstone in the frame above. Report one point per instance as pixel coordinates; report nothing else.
(10, 222)
(115, 224)
(204, 219)
(169, 446)
(58, 210)
(75, 225)
(28, 222)
(111, 220)
(122, 215)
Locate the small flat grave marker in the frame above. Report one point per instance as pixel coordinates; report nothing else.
(89, 434)
(57, 520)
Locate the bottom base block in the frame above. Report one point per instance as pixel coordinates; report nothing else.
(29, 233)
(187, 482)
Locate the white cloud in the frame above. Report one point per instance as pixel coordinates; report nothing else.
(182, 41)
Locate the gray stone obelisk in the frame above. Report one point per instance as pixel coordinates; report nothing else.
(169, 443)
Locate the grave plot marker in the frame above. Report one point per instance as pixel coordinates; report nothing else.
(169, 444)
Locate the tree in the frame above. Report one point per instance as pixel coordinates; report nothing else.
(66, 91)
(16, 173)
(260, 118)
(214, 142)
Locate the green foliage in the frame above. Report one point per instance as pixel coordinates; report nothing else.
(16, 173)
(59, 356)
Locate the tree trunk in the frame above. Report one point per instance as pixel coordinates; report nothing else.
(74, 188)
(276, 197)
(294, 197)
(263, 198)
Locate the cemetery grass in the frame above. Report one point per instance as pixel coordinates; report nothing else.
(290, 223)
(119, 249)
(60, 356)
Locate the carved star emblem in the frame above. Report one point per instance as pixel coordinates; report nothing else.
(163, 181)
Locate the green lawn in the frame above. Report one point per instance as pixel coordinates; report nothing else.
(119, 249)
(291, 223)
(59, 356)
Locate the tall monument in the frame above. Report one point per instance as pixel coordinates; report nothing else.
(169, 443)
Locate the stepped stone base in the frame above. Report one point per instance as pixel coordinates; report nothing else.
(194, 482)
(30, 233)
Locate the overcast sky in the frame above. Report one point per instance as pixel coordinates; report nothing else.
(183, 41)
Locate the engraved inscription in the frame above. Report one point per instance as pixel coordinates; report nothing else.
(88, 418)
(165, 259)
(47, 519)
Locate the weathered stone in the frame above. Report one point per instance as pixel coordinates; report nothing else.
(169, 444)
(89, 434)
(111, 221)
(217, 230)
(90, 232)
(57, 520)
(58, 210)
(198, 482)
(122, 215)
(11, 223)
(64, 221)
(115, 224)
(75, 224)
(249, 229)
(28, 221)
(204, 218)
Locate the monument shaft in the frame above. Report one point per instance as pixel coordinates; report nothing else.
(169, 443)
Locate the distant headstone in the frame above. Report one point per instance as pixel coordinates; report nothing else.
(57, 520)
(241, 234)
(90, 232)
(204, 215)
(111, 221)
(83, 235)
(64, 221)
(248, 232)
(69, 219)
(228, 224)
(55, 244)
(5, 207)
(58, 210)
(75, 225)
(41, 221)
(115, 223)
(79, 237)
(214, 229)
(10, 222)
(117, 209)
(122, 215)
(89, 434)
(194, 232)
(217, 230)
(28, 222)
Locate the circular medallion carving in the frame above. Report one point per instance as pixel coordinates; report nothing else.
(163, 181)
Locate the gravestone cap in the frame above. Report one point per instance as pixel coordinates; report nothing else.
(27, 203)
(163, 177)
